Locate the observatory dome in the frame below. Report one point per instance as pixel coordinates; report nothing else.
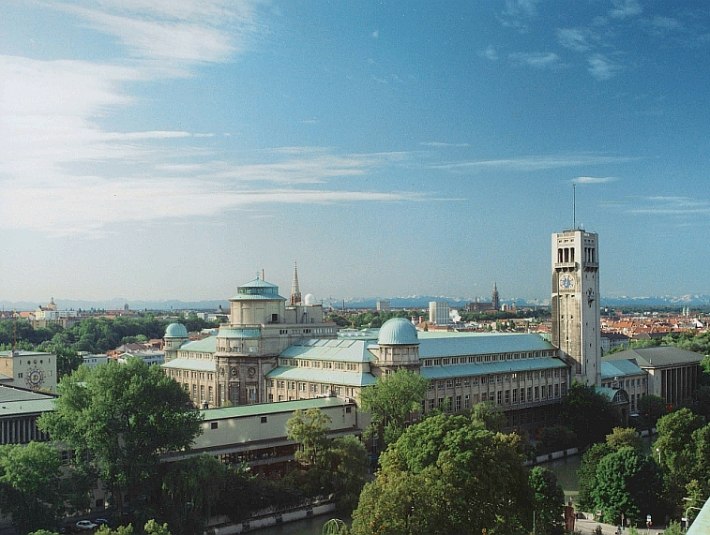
(398, 331)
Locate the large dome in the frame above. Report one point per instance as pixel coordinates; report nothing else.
(398, 331)
(176, 330)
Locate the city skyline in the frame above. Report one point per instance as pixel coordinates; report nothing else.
(160, 150)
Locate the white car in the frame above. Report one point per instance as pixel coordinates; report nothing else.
(86, 525)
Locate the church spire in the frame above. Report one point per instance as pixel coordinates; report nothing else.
(495, 298)
(295, 290)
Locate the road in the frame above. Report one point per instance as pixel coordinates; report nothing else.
(586, 527)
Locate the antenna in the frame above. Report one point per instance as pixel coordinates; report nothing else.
(574, 206)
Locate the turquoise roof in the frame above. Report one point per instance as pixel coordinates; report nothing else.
(176, 330)
(397, 331)
(256, 290)
(447, 344)
(328, 349)
(272, 408)
(199, 365)
(620, 368)
(320, 375)
(488, 368)
(206, 345)
(237, 332)
(701, 524)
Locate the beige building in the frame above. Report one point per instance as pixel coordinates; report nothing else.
(29, 369)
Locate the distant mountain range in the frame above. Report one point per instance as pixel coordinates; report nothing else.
(409, 302)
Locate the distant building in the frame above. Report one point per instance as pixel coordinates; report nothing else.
(383, 305)
(91, 360)
(672, 372)
(150, 357)
(19, 410)
(439, 313)
(49, 315)
(29, 369)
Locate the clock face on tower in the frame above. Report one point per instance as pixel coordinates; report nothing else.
(567, 282)
(35, 378)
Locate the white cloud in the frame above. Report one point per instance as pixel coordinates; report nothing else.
(625, 8)
(601, 67)
(538, 60)
(490, 53)
(670, 205)
(537, 163)
(577, 39)
(593, 179)
(442, 144)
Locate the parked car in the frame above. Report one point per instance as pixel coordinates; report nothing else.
(101, 522)
(86, 525)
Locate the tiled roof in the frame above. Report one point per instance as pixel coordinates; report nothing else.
(206, 345)
(200, 365)
(657, 357)
(487, 368)
(459, 344)
(619, 368)
(319, 375)
(272, 408)
(330, 349)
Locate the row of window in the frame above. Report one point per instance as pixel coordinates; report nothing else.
(476, 359)
(502, 397)
(506, 378)
(190, 374)
(329, 365)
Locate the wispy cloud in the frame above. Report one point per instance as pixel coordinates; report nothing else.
(577, 39)
(442, 144)
(490, 53)
(517, 13)
(670, 205)
(625, 8)
(593, 179)
(537, 60)
(537, 163)
(601, 67)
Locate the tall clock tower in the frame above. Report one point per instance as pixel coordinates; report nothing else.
(576, 327)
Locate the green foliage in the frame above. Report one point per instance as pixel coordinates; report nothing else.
(621, 437)
(30, 485)
(447, 474)
(390, 403)
(588, 414)
(334, 526)
(556, 437)
(120, 530)
(674, 528)
(189, 488)
(119, 418)
(309, 429)
(651, 408)
(587, 474)
(153, 528)
(490, 415)
(349, 465)
(626, 482)
(548, 501)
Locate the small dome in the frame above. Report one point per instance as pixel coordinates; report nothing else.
(309, 299)
(398, 331)
(176, 330)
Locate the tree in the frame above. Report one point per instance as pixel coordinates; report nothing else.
(548, 501)
(447, 474)
(489, 414)
(309, 429)
(587, 474)
(189, 488)
(589, 414)
(119, 419)
(626, 483)
(621, 437)
(651, 408)
(30, 485)
(390, 403)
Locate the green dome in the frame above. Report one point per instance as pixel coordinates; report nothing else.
(176, 330)
(398, 331)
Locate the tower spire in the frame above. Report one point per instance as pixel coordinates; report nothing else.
(295, 290)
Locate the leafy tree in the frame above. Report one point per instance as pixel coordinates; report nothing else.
(447, 474)
(349, 465)
(30, 485)
(189, 488)
(390, 403)
(589, 414)
(309, 429)
(626, 483)
(651, 408)
(556, 437)
(548, 501)
(119, 418)
(674, 449)
(621, 437)
(587, 474)
(490, 415)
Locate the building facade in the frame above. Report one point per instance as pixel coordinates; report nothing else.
(29, 369)
(576, 330)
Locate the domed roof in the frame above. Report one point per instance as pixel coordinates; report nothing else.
(398, 331)
(176, 330)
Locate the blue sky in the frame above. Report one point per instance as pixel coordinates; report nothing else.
(172, 148)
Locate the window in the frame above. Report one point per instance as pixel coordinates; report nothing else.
(458, 403)
(499, 398)
(214, 425)
(263, 419)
